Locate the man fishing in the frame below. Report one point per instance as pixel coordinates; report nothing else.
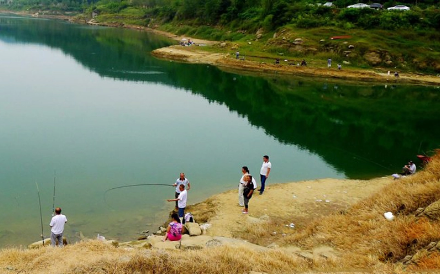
(181, 181)
(57, 227)
(181, 201)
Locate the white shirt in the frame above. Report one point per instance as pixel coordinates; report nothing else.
(264, 167)
(179, 182)
(57, 223)
(412, 168)
(181, 203)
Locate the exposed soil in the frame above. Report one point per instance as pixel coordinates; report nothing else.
(299, 203)
(195, 54)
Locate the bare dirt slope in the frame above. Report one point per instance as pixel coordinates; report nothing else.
(195, 54)
(298, 203)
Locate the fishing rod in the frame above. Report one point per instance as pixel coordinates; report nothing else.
(53, 202)
(137, 185)
(126, 186)
(41, 215)
(360, 157)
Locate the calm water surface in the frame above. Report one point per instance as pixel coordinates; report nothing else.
(90, 108)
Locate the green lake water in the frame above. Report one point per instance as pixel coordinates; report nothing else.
(91, 107)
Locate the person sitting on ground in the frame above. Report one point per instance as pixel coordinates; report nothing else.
(174, 229)
(303, 63)
(409, 169)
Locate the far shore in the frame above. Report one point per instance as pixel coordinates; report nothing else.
(226, 61)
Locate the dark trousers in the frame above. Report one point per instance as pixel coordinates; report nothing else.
(181, 213)
(263, 182)
(246, 202)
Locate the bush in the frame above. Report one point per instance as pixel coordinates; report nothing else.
(308, 22)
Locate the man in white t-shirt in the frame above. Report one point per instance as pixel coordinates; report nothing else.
(181, 181)
(181, 202)
(409, 169)
(264, 172)
(57, 227)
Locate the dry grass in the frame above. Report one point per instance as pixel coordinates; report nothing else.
(97, 257)
(365, 238)
(361, 238)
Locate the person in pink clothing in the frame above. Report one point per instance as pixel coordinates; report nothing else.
(174, 229)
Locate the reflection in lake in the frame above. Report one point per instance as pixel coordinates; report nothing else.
(92, 105)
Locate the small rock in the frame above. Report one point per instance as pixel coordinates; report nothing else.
(250, 43)
(351, 47)
(193, 229)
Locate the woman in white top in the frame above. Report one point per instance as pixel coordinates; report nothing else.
(245, 171)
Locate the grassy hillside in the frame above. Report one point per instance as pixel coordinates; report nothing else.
(267, 29)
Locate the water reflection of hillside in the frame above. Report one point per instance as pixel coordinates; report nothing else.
(367, 129)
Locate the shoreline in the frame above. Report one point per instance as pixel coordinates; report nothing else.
(300, 203)
(226, 61)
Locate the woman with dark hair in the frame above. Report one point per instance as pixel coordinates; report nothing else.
(174, 229)
(248, 190)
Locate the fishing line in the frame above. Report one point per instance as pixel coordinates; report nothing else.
(126, 186)
(53, 202)
(362, 158)
(41, 215)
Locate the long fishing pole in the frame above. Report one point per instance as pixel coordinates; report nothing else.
(53, 202)
(41, 215)
(360, 157)
(137, 185)
(118, 187)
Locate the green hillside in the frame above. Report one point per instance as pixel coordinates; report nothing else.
(374, 38)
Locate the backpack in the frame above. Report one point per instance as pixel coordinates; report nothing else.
(189, 218)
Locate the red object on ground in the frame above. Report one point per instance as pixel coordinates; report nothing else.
(340, 37)
(425, 159)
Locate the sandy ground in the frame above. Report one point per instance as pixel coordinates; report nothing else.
(299, 202)
(196, 54)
